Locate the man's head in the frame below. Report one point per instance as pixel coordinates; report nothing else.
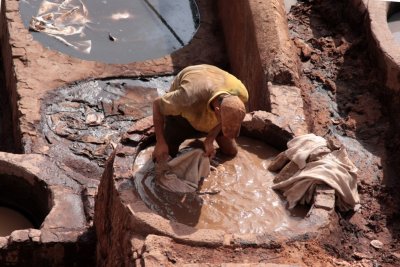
(231, 112)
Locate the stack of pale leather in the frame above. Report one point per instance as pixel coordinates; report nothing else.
(311, 160)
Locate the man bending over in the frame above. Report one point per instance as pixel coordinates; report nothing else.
(202, 98)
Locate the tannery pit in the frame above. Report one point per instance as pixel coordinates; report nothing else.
(76, 128)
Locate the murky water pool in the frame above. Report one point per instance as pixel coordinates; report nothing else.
(289, 4)
(117, 31)
(394, 25)
(11, 220)
(239, 198)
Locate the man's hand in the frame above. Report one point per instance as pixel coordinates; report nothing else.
(209, 150)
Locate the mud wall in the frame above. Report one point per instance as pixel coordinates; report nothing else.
(28, 249)
(385, 52)
(240, 36)
(384, 49)
(119, 243)
(9, 88)
(374, 20)
(259, 47)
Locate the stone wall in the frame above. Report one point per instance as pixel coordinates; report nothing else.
(259, 47)
(63, 236)
(112, 223)
(385, 52)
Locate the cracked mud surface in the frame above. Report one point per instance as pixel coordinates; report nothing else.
(83, 123)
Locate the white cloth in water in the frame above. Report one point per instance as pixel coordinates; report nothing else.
(63, 18)
(335, 170)
(300, 147)
(183, 173)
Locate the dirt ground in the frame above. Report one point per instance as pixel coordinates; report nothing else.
(343, 95)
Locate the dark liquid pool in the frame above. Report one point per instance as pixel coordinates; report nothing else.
(117, 31)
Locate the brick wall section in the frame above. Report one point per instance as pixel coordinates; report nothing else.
(287, 103)
(242, 49)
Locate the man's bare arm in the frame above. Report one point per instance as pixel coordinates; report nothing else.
(160, 152)
(208, 142)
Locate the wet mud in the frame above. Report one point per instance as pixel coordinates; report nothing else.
(236, 197)
(86, 120)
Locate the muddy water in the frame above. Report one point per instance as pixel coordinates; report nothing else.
(119, 31)
(11, 220)
(238, 195)
(394, 25)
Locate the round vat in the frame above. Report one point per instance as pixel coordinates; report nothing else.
(24, 202)
(236, 197)
(128, 196)
(383, 42)
(112, 31)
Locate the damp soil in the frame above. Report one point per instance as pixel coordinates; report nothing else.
(343, 94)
(83, 122)
(236, 197)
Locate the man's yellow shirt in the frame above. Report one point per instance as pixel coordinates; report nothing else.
(193, 90)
